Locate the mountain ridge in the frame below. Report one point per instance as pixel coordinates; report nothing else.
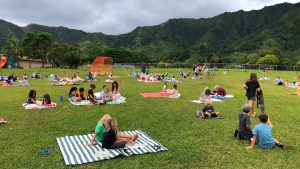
(272, 27)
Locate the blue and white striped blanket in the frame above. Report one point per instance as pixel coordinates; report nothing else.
(75, 152)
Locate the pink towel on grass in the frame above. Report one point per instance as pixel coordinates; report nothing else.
(158, 94)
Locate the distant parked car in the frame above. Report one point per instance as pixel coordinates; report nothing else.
(238, 66)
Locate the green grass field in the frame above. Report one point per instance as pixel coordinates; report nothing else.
(192, 142)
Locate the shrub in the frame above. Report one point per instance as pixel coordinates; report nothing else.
(268, 59)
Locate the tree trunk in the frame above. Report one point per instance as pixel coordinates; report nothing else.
(30, 63)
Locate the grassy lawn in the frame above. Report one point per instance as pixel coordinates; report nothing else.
(192, 142)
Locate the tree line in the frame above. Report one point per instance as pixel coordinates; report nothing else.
(40, 45)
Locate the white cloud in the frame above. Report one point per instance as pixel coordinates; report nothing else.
(118, 16)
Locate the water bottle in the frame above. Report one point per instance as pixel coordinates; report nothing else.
(61, 98)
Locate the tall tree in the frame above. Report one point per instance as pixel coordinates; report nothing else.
(36, 45)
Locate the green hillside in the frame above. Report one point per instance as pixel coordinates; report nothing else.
(229, 37)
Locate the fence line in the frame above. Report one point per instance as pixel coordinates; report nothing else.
(210, 65)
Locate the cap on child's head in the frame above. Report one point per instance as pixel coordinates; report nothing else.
(246, 108)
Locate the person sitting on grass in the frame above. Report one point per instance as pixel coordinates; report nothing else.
(244, 130)
(208, 110)
(165, 88)
(115, 88)
(32, 97)
(73, 94)
(81, 95)
(9, 81)
(47, 99)
(286, 83)
(92, 97)
(113, 139)
(25, 80)
(278, 81)
(101, 129)
(174, 91)
(219, 91)
(294, 84)
(262, 135)
(206, 95)
(90, 77)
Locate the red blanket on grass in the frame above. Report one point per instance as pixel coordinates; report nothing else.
(158, 94)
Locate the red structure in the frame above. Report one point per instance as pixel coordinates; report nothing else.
(102, 65)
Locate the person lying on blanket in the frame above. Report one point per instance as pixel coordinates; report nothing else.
(174, 91)
(92, 97)
(219, 91)
(5, 83)
(101, 128)
(208, 110)
(73, 94)
(32, 98)
(46, 99)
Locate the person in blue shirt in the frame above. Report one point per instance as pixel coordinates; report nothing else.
(262, 135)
(144, 69)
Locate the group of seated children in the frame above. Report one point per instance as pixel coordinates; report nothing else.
(173, 92)
(185, 74)
(7, 82)
(32, 98)
(107, 135)
(104, 96)
(36, 75)
(261, 135)
(278, 81)
(154, 77)
(217, 93)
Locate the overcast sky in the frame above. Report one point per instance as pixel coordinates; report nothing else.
(118, 16)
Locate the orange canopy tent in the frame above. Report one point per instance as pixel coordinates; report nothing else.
(3, 61)
(102, 65)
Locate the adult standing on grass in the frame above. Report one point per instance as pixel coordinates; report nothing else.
(252, 86)
(144, 69)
